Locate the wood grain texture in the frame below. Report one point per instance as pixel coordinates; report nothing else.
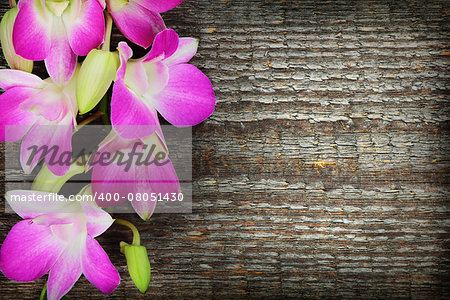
(324, 171)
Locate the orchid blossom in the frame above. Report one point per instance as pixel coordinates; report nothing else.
(140, 174)
(42, 113)
(139, 20)
(57, 31)
(57, 236)
(161, 81)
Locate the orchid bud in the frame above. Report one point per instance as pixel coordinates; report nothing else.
(96, 74)
(138, 265)
(6, 28)
(46, 181)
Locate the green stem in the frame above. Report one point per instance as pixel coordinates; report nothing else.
(136, 236)
(12, 3)
(89, 120)
(109, 22)
(103, 107)
(44, 291)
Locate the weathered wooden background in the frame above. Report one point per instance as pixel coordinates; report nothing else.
(323, 173)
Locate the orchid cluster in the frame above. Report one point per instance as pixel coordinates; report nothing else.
(58, 238)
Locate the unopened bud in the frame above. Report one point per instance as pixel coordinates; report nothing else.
(96, 74)
(6, 29)
(138, 265)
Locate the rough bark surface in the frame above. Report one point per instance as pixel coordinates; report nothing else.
(324, 171)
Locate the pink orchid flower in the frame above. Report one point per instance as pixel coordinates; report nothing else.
(139, 20)
(57, 236)
(127, 168)
(57, 31)
(162, 81)
(43, 114)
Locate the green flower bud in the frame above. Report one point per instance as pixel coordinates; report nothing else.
(6, 29)
(96, 74)
(46, 181)
(138, 265)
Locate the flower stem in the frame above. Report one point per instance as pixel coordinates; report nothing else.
(89, 120)
(12, 3)
(103, 107)
(109, 22)
(136, 236)
(44, 291)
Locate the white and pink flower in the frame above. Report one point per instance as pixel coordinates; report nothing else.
(57, 237)
(161, 81)
(139, 20)
(135, 171)
(58, 31)
(42, 113)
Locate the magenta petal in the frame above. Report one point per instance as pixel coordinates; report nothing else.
(65, 272)
(55, 142)
(188, 98)
(87, 31)
(165, 44)
(62, 138)
(125, 53)
(12, 78)
(136, 78)
(15, 122)
(130, 117)
(144, 209)
(31, 33)
(161, 179)
(187, 47)
(62, 61)
(159, 5)
(138, 24)
(47, 103)
(28, 251)
(38, 136)
(97, 220)
(112, 179)
(97, 267)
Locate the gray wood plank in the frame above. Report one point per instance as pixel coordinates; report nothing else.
(323, 171)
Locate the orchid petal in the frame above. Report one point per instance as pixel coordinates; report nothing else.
(31, 33)
(125, 54)
(42, 204)
(97, 220)
(15, 122)
(28, 251)
(65, 272)
(162, 179)
(112, 179)
(157, 75)
(86, 32)
(130, 117)
(48, 103)
(187, 47)
(164, 45)
(97, 267)
(13, 78)
(62, 62)
(55, 142)
(159, 5)
(144, 209)
(188, 98)
(102, 3)
(62, 137)
(136, 77)
(138, 24)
